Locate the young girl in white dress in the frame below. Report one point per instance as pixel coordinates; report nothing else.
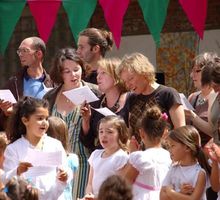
(28, 126)
(110, 160)
(187, 177)
(147, 169)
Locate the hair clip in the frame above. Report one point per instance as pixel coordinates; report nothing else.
(164, 116)
(29, 186)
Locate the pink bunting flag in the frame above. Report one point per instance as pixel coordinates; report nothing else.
(196, 11)
(44, 13)
(114, 11)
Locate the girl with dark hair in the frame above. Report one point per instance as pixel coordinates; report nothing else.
(147, 169)
(28, 126)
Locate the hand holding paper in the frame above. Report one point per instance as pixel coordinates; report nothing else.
(48, 161)
(186, 104)
(81, 94)
(105, 111)
(46, 158)
(6, 95)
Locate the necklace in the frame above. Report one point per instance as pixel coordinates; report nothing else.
(66, 99)
(113, 108)
(201, 100)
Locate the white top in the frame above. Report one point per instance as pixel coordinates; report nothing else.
(178, 175)
(105, 167)
(49, 186)
(153, 165)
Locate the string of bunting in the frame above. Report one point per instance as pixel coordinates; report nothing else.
(79, 13)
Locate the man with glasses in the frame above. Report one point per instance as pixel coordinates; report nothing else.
(31, 79)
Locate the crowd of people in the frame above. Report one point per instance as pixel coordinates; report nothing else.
(151, 147)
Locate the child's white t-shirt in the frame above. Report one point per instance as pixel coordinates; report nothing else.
(152, 165)
(105, 167)
(49, 186)
(178, 175)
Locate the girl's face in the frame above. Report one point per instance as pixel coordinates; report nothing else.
(177, 150)
(71, 74)
(104, 80)
(108, 136)
(37, 123)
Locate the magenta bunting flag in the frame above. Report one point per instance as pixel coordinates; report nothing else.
(44, 13)
(79, 13)
(10, 12)
(114, 11)
(196, 11)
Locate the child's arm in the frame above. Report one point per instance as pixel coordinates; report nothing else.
(163, 193)
(196, 195)
(214, 178)
(130, 173)
(89, 184)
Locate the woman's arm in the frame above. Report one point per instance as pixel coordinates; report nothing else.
(85, 112)
(214, 178)
(202, 124)
(177, 115)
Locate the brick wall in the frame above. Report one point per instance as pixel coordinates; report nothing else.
(176, 19)
(61, 35)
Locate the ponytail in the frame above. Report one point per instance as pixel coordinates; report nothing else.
(203, 160)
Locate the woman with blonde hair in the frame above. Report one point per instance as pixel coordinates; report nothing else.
(138, 75)
(114, 98)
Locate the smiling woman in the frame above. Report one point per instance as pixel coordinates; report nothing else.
(67, 74)
(139, 76)
(201, 78)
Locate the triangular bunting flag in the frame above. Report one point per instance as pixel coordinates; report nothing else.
(79, 13)
(114, 12)
(155, 12)
(196, 11)
(10, 13)
(44, 13)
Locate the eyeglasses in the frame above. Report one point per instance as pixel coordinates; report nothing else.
(24, 51)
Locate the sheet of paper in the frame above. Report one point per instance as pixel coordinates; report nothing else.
(105, 111)
(81, 94)
(47, 88)
(6, 95)
(38, 171)
(186, 104)
(40, 158)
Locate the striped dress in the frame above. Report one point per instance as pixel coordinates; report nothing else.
(73, 121)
